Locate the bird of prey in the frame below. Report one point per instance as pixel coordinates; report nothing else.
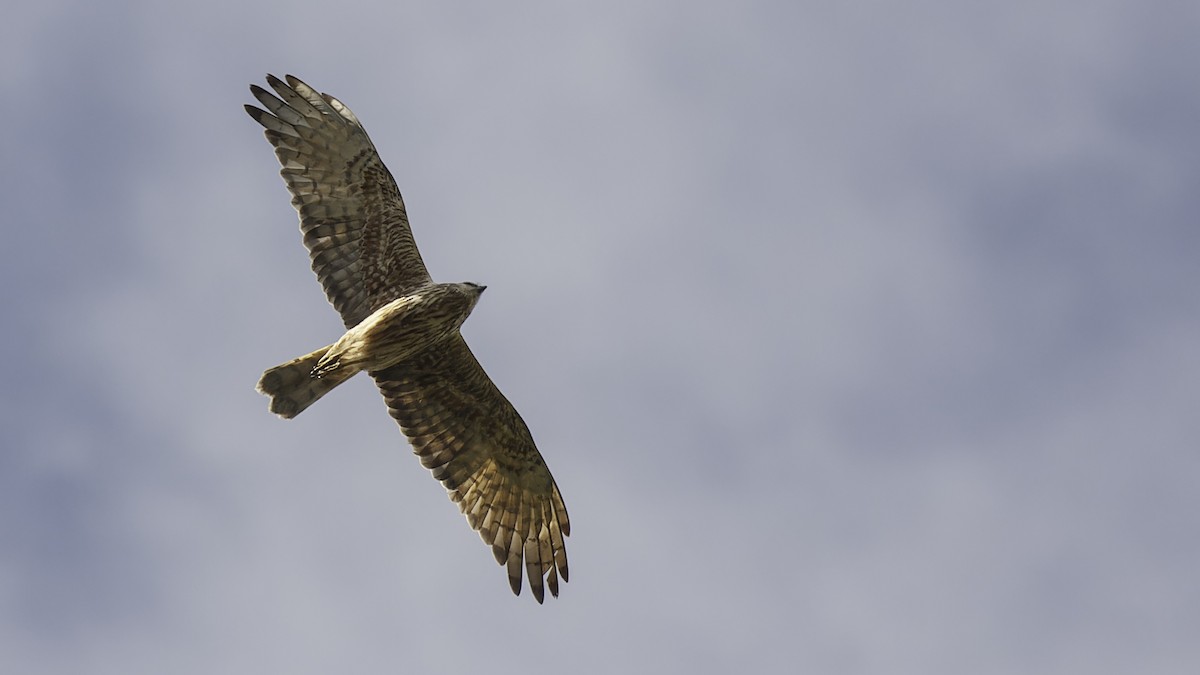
(403, 329)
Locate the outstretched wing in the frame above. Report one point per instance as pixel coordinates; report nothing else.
(351, 212)
(473, 440)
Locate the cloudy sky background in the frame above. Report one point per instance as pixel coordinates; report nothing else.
(860, 338)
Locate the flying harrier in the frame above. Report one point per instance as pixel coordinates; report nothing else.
(403, 329)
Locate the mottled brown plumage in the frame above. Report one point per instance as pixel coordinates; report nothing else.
(404, 330)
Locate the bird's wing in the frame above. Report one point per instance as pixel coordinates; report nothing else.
(476, 444)
(351, 212)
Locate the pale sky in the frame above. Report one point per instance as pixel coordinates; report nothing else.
(860, 338)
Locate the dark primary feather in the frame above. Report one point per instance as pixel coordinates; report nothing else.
(351, 212)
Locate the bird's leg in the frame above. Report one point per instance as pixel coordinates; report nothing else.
(328, 363)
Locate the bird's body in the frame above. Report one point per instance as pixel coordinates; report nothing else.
(403, 329)
(392, 334)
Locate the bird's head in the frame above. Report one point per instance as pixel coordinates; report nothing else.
(472, 290)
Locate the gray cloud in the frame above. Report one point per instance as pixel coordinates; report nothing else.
(859, 340)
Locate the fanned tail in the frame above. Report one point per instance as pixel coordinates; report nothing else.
(292, 387)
